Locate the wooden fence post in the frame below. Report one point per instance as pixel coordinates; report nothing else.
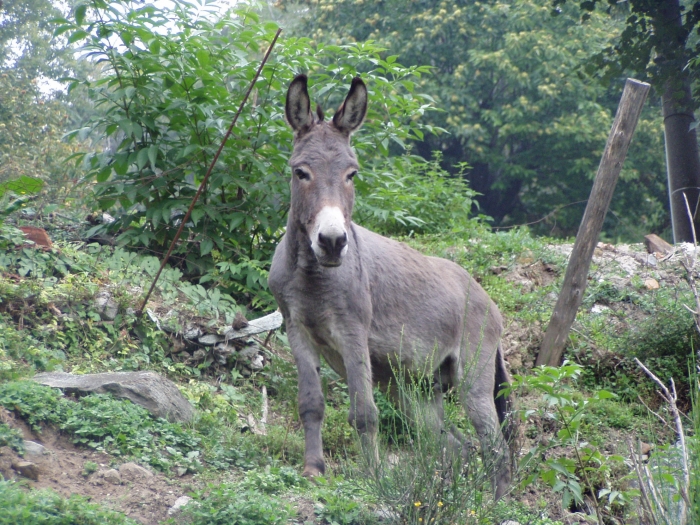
(571, 295)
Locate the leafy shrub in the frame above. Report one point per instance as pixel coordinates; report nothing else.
(103, 423)
(340, 503)
(34, 402)
(18, 506)
(273, 480)
(169, 96)
(410, 194)
(226, 504)
(11, 437)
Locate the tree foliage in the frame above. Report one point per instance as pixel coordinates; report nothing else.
(517, 105)
(170, 84)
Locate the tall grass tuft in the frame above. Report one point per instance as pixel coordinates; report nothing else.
(429, 481)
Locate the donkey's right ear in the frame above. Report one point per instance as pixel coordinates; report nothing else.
(298, 106)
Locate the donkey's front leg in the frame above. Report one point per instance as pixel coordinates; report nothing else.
(363, 412)
(310, 400)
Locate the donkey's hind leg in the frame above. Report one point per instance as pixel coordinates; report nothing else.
(481, 409)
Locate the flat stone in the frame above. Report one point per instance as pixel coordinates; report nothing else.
(133, 472)
(179, 503)
(26, 469)
(209, 339)
(32, 448)
(156, 394)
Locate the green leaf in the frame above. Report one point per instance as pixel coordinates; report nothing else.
(142, 157)
(80, 14)
(153, 155)
(205, 247)
(23, 185)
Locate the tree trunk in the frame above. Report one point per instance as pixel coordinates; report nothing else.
(682, 158)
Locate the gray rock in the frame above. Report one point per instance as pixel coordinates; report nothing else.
(111, 476)
(32, 448)
(199, 355)
(106, 306)
(155, 393)
(192, 332)
(209, 339)
(26, 469)
(257, 363)
(249, 351)
(223, 351)
(133, 472)
(179, 503)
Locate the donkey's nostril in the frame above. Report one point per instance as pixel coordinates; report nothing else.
(333, 244)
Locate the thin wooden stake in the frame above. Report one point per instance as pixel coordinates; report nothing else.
(139, 312)
(571, 295)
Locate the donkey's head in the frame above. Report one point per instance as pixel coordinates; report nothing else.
(323, 167)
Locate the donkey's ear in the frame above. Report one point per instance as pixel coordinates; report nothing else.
(298, 106)
(351, 113)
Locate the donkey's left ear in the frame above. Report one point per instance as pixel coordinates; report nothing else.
(351, 113)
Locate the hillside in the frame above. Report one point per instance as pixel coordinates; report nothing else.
(71, 308)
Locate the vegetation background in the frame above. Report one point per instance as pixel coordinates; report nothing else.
(487, 122)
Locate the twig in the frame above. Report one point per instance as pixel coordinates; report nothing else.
(203, 184)
(671, 399)
(655, 413)
(263, 418)
(643, 489)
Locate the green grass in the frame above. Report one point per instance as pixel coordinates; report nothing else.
(21, 507)
(104, 423)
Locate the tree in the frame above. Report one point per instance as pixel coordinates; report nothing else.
(32, 123)
(658, 45)
(167, 97)
(517, 105)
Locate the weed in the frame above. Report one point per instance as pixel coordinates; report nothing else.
(589, 471)
(89, 467)
(45, 507)
(227, 504)
(273, 480)
(429, 481)
(11, 437)
(106, 424)
(340, 503)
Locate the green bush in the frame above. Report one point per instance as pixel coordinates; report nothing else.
(21, 507)
(168, 98)
(11, 437)
(106, 424)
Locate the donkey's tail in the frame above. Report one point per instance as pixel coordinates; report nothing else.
(504, 403)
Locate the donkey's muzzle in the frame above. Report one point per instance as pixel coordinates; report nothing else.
(333, 247)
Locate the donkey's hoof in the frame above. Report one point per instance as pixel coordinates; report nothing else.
(312, 472)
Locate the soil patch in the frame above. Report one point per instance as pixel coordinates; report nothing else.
(142, 494)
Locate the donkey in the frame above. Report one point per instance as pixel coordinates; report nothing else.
(371, 305)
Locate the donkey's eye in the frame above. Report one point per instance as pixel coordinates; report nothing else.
(301, 174)
(351, 175)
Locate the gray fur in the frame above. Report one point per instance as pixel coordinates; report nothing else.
(378, 306)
